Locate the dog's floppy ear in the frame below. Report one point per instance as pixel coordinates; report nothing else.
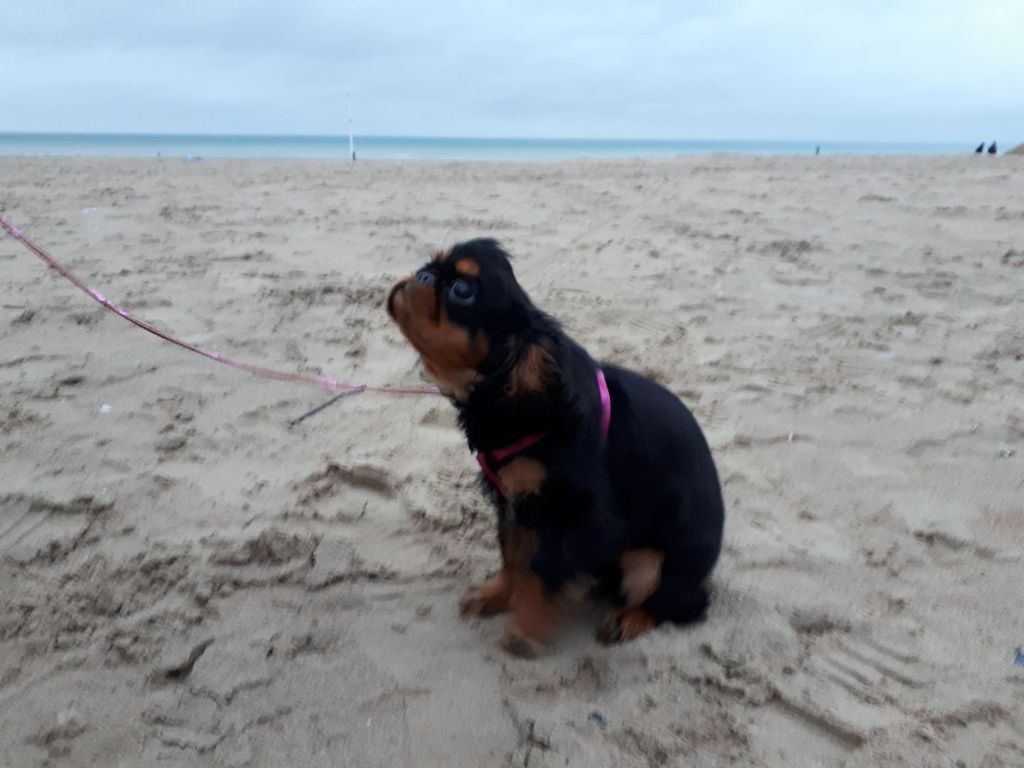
(533, 370)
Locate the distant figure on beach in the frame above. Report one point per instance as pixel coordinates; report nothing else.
(817, 150)
(980, 149)
(992, 149)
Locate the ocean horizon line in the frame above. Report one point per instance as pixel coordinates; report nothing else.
(462, 137)
(398, 147)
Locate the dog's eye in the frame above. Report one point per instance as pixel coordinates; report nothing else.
(462, 292)
(426, 277)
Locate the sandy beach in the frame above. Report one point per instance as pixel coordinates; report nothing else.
(185, 580)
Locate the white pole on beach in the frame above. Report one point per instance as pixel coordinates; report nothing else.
(351, 140)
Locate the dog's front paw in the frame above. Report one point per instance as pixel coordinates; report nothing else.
(487, 599)
(622, 625)
(518, 643)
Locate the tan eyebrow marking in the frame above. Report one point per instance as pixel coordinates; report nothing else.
(467, 268)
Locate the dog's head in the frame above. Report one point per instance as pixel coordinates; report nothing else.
(468, 318)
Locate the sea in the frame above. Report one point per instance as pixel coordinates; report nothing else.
(199, 146)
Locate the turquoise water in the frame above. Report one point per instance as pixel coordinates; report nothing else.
(421, 148)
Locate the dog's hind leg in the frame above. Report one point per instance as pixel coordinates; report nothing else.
(678, 602)
(654, 592)
(681, 596)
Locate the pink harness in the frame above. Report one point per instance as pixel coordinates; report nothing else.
(488, 460)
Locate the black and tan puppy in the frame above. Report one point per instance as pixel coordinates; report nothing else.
(599, 476)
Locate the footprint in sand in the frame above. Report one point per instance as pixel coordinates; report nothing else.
(345, 492)
(334, 478)
(43, 530)
(848, 687)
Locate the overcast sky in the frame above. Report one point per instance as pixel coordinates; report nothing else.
(889, 70)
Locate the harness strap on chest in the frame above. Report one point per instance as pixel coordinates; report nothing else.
(489, 460)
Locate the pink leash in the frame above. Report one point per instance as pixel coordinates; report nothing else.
(345, 387)
(490, 458)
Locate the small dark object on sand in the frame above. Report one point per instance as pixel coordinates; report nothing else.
(992, 148)
(1018, 657)
(980, 148)
(314, 411)
(598, 719)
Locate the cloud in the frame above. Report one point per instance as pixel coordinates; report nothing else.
(912, 70)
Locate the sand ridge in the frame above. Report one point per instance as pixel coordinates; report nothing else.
(186, 580)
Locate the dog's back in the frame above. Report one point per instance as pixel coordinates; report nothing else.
(664, 479)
